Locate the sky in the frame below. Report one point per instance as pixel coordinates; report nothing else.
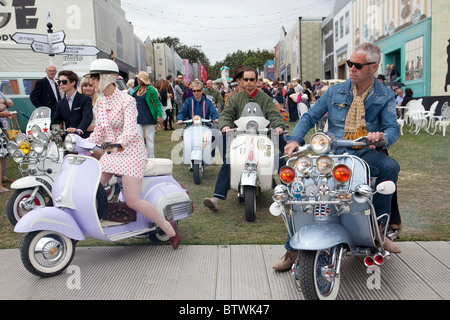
(221, 27)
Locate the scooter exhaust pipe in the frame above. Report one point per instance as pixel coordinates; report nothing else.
(378, 259)
(369, 261)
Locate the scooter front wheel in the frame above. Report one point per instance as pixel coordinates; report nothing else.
(315, 283)
(16, 205)
(197, 170)
(46, 253)
(250, 203)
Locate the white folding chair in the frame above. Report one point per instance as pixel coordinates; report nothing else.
(430, 116)
(416, 115)
(444, 122)
(435, 119)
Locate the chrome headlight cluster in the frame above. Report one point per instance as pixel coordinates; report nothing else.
(22, 146)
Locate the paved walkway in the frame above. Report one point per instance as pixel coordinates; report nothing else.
(221, 273)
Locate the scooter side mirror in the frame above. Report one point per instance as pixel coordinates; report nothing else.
(386, 187)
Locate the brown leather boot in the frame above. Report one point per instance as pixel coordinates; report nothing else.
(286, 261)
(389, 245)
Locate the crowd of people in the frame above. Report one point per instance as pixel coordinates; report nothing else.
(97, 110)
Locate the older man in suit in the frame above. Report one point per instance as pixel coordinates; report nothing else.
(75, 109)
(45, 92)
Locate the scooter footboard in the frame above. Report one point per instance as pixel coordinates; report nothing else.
(49, 218)
(320, 236)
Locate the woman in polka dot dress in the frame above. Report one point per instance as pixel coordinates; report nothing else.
(116, 122)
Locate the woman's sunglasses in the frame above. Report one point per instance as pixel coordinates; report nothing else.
(358, 65)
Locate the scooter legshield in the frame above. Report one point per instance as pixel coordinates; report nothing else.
(321, 236)
(49, 218)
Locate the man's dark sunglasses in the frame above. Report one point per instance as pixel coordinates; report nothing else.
(64, 82)
(358, 65)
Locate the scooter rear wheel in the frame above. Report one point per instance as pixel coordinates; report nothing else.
(102, 201)
(46, 253)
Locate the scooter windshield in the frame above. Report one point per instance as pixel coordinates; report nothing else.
(40, 113)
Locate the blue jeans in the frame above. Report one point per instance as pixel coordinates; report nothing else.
(223, 179)
(383, 168)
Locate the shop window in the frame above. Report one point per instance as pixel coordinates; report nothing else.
(414, 59)
(336, 31)
(347, 23)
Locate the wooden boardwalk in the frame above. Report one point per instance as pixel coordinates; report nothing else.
(223, 273)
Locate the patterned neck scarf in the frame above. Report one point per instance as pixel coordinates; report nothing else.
(355, 123)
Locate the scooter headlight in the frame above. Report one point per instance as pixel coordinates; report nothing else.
(342, 173)
(320, 143)
(303, 164)
(69, 143)
(18, 156)
(197, 119)
(324, 164)
(35, 130)
(11, 147)
(280, 193)
(38, 146)
(252, 125)
(287, 175)
(25, 147)
(21, 137)
(44, 137)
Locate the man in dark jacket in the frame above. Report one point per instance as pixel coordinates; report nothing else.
(45, 92)
(75, 109)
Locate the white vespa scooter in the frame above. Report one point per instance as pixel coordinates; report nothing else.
(81, 210)
(197, 141)
(252, 154)
(39, 154)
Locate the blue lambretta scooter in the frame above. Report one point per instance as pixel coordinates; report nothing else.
(81, 210)
(325, 202)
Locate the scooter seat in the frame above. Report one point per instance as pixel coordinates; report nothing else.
(158, 167)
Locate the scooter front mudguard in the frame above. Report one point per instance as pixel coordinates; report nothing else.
(321, 236)
(34, 181)
(249, 178)
(49, 218)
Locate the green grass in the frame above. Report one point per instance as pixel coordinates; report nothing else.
(422, 191)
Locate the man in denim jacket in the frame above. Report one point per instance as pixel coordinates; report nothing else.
(374, 115)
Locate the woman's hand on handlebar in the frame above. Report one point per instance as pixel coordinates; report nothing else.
(112, 147)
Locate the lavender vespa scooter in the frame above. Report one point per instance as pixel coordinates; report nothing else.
(81, 210)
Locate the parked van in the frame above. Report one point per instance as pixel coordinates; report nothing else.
(17, 86)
